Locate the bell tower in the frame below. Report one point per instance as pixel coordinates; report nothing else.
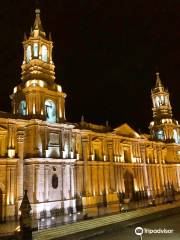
(38, 96)
(163, 127)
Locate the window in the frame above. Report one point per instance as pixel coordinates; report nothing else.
(166, 100)
(44, 53)
(50, 110)
(35, 49)
(160, 135)
(54, 181)
(162, 100)
(127, 157)
(176, 137)
(157, 102)
(28, 53)
(22, 108)
(96, 154)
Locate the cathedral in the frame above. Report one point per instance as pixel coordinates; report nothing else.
(74, 166)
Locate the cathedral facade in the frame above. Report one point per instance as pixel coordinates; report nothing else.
(69, 166)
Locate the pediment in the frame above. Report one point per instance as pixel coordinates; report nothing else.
(126, 131)
(3, 129)
(96, 139)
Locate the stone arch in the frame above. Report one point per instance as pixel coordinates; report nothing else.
(50, 110)
(129, 184)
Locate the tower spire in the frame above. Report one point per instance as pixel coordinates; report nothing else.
(158, 81)
(164, 126)
(38, 28)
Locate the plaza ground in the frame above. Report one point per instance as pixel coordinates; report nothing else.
(128, 233)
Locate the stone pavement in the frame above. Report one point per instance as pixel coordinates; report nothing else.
(65, 230)
(8, 228)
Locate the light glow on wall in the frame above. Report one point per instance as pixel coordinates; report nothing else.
(59, 88)
(92, 157)
(15, 90)
(63, 154)
(34, 110)
(133, 159)
(152, 123)
(7, 199)
(11, 153)
(34, 83)
(166, 120)
(72, 154)
(135, 185)
(12, 199)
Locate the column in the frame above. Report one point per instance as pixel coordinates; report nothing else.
(72, 181)
(145, 169)
(8, 186)
(154, 179)
(64, 187)
(162, 176)
(157, 178)
(61, 183)
(142, 179)
(4, 206)
(46, 181)
(85, 143)
(146, 180)
(112, 180)
(36, 183)
(20, 141)
(12, 186)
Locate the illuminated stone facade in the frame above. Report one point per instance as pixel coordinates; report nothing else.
(69, 166)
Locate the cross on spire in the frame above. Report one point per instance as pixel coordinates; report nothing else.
(37, 29)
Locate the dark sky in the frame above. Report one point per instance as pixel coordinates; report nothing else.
(105, 53)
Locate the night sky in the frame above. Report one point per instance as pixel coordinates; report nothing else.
(106, 54)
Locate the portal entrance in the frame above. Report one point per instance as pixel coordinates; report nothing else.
(129, 185)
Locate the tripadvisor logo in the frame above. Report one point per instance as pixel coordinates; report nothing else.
(140, 231)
